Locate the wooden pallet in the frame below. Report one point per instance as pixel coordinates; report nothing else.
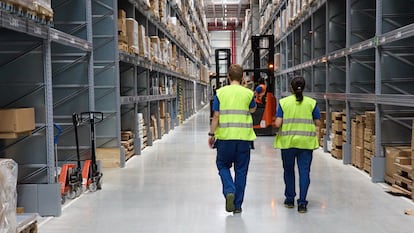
(126, 135)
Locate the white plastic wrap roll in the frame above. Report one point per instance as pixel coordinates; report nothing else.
(8, 195)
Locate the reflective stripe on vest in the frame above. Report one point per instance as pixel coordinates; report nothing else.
(234, 112)
(235, 120)
(298, 128)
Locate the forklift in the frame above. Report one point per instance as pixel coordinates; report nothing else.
(265, 113)
(218, 80)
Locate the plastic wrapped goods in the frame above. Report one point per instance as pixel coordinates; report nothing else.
(8, 196)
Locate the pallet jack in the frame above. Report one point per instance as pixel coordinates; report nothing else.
(91, 176)
(222, 58)
(69, 177)
(265, 114)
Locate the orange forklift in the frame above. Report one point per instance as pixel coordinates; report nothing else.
(265, 113)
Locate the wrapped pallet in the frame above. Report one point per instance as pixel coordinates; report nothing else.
(8, 195)
(142, 41)
(132, 34)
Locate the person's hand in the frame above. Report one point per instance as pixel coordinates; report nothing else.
(211, 141)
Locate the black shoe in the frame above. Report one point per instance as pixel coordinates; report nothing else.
(302, 208)
(289, 204)
(237, 211)
(230, 202)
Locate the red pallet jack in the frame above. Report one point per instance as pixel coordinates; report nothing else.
(69, 178)
(91, 176)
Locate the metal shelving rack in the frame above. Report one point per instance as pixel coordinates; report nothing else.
(47, 55)
(140, 77)
(359, 59)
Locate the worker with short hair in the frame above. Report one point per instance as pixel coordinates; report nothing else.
(231, 132)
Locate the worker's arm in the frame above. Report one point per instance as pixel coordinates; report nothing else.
(279, 117)
(278, 122)
(252, 106)
(316, 116)
(213, 127)
(214, 122)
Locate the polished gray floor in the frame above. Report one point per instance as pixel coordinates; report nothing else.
(174, 187)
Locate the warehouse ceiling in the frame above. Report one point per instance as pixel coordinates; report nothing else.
(221, 13)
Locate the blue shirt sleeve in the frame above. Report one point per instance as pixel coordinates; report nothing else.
(279, 112)
(216, 104)
(252, 103)
(316, 113)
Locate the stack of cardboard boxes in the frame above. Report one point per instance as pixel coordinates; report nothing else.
(369, 140)
(127, 141)
(358, 125)
(337, 128)
(321, 130)
(122, 31)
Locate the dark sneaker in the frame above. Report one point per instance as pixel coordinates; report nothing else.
(237, 211)
(302, 208)
(289, 204)
(230, 202)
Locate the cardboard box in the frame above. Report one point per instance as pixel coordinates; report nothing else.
(17, 120)
(121, 14)
(109, 157)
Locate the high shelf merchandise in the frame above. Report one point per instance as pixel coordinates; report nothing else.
(357, 59)
(163, 61)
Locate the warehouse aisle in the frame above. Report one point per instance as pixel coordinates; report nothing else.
(174, 187)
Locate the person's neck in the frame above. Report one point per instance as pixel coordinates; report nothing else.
(234, 82)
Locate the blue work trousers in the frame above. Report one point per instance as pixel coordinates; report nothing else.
(237, 153)
(304, 160)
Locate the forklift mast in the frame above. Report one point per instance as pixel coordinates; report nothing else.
(263, 43)
(263, 52)
(223, 62)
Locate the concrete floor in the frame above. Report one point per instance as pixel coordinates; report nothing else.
(174, 187)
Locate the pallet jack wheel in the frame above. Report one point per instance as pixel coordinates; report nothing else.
(78, 191)
(93, 187)
(71, 194)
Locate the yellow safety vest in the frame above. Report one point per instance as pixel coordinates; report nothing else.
(235, 120)
(298, 127)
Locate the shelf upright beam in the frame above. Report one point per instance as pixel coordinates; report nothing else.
(89, 38)
(49, 110)
(378, 161)
(347, 147)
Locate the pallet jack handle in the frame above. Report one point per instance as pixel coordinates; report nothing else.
(92, 118)
(76, 123)
(55, 142)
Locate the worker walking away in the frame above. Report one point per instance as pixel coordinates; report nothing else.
(231, 132)
(296, 118)
(260, 91)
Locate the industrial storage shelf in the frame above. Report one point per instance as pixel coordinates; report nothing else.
(147, 98)
(27, 26)
(145, 63)
(353, 61)
(141, 7)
